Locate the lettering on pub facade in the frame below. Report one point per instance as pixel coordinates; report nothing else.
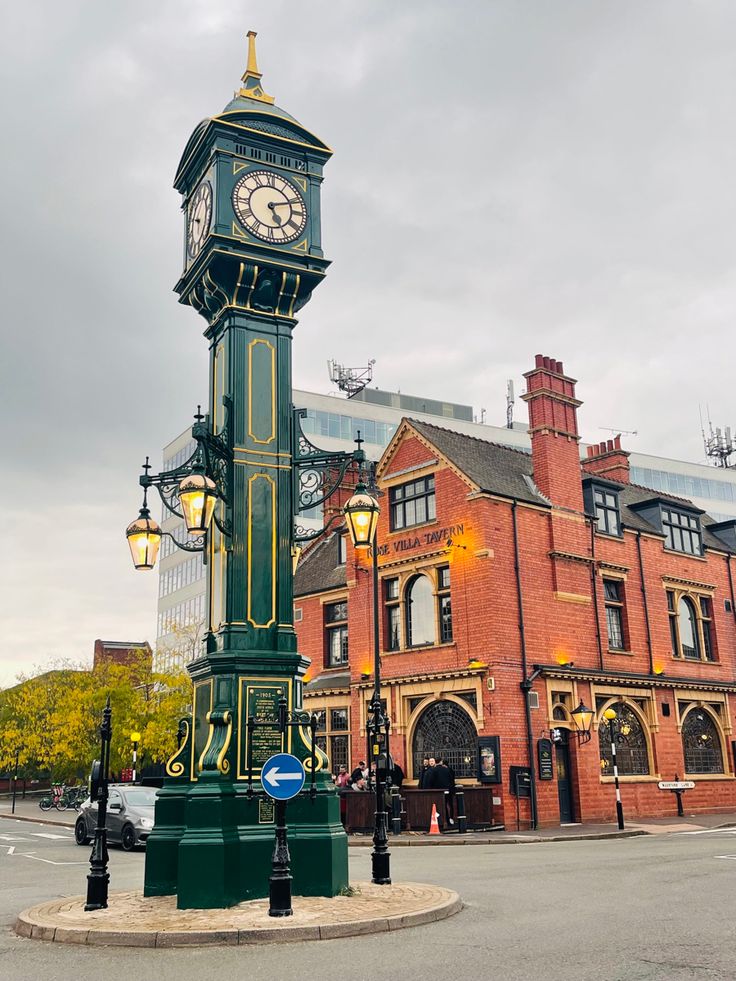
(497, 568)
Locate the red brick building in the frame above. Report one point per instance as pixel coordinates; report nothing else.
(123, 652)
(513, 586)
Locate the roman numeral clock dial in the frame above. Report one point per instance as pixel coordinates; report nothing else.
(199, 217)
(269, 206)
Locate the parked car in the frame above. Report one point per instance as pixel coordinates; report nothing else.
(129, 816)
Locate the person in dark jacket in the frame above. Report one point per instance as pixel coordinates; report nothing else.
(397, 776)
(429, 775)
(423, 772)
(444, 777)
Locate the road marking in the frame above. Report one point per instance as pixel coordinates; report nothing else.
(42, 834)
(709, 831)
(11, 850)
(48, 861)
(13, 838)
(726, 856)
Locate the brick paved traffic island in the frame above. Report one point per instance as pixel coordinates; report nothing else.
(132, 920)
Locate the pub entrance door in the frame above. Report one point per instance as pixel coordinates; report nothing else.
(564, 780)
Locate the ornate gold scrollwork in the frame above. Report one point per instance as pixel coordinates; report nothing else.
(174, 766)
(214, 755)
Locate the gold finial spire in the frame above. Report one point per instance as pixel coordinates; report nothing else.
(252, 88)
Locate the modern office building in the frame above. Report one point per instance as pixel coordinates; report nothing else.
(332, 422)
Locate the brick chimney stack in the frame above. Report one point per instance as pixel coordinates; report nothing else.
(553, 427)
(607, 459)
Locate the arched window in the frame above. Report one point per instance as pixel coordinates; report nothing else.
(420, 627)
(446, 730)
(632, 753)
(688, 624)
(700, 743)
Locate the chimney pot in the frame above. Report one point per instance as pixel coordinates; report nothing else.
(538, 361)
(617, 442)
(610, 446)
(559, 368)
(547, 363)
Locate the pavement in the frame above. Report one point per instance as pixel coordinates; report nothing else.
(28, 810)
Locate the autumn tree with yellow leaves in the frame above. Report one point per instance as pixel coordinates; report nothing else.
(52, 718)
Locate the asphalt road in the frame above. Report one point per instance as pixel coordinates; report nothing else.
(659, 907)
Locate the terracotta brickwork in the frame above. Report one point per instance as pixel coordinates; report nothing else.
(560, 563)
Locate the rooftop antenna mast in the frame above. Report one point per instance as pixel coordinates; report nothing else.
(352, 381)
(620, 432)
(718, 444)
(510, 404)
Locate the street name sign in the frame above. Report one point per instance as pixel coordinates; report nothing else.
(676, 785)
(282, 776)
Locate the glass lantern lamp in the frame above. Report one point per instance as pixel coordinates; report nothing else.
(361, 515)
(144, 539)
(198, 496)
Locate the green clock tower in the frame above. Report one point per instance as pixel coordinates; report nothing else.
(250, 179)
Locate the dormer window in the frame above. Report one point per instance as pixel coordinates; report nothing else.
(682, 531)
(606, 511)
(601, 501)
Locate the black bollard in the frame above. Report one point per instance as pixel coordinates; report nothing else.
(462, 820)
(98, 879)
(395, 811)
(279, 892)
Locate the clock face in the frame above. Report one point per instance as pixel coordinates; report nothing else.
(269, 206)
(199, 218)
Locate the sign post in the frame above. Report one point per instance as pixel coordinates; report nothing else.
(282, 778)
(677, 787)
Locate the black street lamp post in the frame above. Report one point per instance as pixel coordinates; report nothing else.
(614, 729)
(98, 879)
(361, 515)
(15, 781)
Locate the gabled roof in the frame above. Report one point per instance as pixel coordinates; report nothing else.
(507, 472)
(492, 467)
(318, 570)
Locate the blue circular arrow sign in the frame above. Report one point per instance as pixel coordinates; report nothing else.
(282, 776)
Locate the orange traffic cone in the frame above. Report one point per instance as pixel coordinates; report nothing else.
(434, 824)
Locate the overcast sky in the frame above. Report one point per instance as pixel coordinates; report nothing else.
(509, 178)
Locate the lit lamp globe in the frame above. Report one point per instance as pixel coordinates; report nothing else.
(609, 714)
(135, 737)
(144, 538)
(582, 717)
(198, 496)
(361, 516)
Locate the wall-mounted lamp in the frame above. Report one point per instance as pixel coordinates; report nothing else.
(564, 660)
(582, 716)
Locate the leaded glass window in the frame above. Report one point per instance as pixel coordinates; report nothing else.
(632, 752)
(446, 730)
(701, 744)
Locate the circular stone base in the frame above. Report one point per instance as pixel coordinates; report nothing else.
(132, 920)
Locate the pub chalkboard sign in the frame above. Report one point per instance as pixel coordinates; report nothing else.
(520, 781)
(544, 759)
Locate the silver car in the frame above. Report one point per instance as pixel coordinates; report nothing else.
(129, 816)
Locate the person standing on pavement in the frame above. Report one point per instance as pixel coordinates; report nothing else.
(423, 772)
(342, 778)
(444, 780)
